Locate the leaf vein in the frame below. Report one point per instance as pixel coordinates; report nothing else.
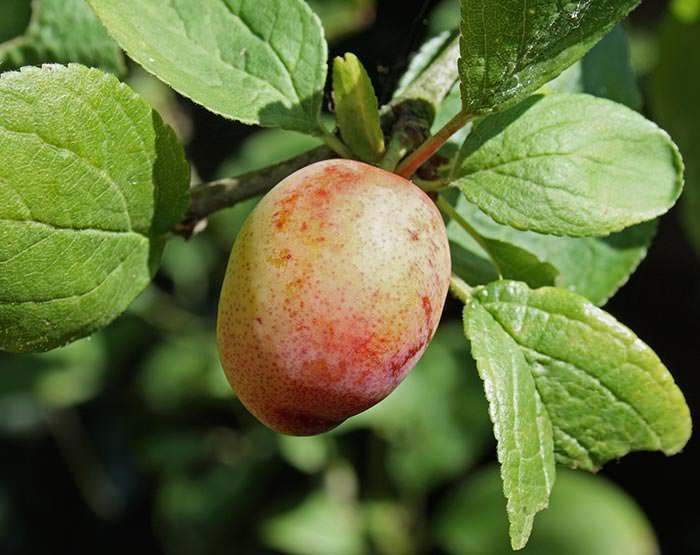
(551, 358)
(58, 228)
(85, 161)
(77, 295)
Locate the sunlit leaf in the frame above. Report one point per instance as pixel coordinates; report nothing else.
(605, 391)
(570, 164)
(521, 423)
(357, 108)
(92, 183)
(260, 62)
(513, 47)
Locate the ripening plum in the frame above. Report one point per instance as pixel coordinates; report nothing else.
(334, 289)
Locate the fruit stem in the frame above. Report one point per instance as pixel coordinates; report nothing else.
(424, 152)
(460, 288)
(450, 212)
(395, 152)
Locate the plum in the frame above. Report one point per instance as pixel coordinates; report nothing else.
(335, 287)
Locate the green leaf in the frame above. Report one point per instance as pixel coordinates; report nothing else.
(181, 373)
(208, 487)
(569, 81)
(344, 17)
(390, 526)
(189, 265)
(91, 184)
(430, 77)
(308, 454)
(605, 391)
(444, 17)
(675, 93)
(587, 516)
(15, 18)
(517, 263)
(261, 62)
(422, 59)
(570, 164)
(357, 108)
(63, 31)
(513, 47)
(164, 100)
(471, 263)
(521, 424)
(595, 267)
(508, 260)
(607, 71)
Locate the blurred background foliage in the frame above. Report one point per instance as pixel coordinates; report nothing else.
(132, 439)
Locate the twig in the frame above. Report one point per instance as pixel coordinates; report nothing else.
(409, 115)
(436, 81)
(209, 198)
(424, 152)
(409, 131)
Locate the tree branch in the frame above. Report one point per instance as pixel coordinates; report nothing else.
(407, 118)
(208, 198)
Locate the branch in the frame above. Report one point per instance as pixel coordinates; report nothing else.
(407, 119)
(208, 198)
(410, 130)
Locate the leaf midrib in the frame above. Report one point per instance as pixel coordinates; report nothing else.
(656, 436)
(120, 264)
(69, 229)
(219, 58)
(655, 433)
(88, 164)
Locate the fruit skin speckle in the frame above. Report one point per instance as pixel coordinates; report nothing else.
(334, 289)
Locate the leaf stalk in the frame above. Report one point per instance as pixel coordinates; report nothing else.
(449, 211)
(460, 289)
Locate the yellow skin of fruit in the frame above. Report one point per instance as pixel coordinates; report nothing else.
(335, 287)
